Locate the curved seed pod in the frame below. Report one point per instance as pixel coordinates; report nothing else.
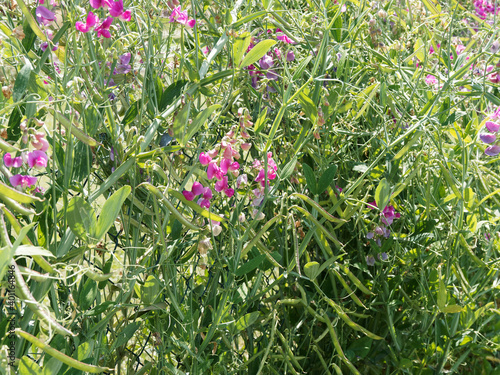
(24, 293)
(61, 356)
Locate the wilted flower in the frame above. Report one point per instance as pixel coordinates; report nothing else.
(370, 260)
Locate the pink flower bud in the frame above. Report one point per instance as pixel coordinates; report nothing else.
(246, 146)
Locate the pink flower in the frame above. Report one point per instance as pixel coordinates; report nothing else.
(459, 49)
(188, 195)
(205, 159)
(197, 188)
(37, 159)
(285, 39)
(91, 21)
(9, 162)
(431, 80)
(103, 28)
(207, 193)
(44, 16)
(213, 170)
(204, 203)
(181, 17)
(40, 143)
(221, 185)
(229, 192)
(23, 181)
(205, 50)
(225, 164)
(118, 12)
(389, 214)
(96, 4)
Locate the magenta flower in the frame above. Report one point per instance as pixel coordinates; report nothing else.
(181, 17)
(222, 184)
(23, 181)
(204, 203)
(37, 159)
(205, 159)
(388, 215)
(207, 193)
(118, 12)
(285, 39)
(44, 16)
(91, 21)
(188, 195)
(224, 165)
(103, 28)
(459, 49)
(12, 162)
(213, 170)
(197, 188)
(96, 4)
(229, 192)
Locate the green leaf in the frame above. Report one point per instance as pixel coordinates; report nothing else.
(52, 366)
(87, 295)
(84, 350)
(308, 106)
(180, 123)
(247, 320)
(6, 255)
(199, 121)
(21, 83)
(248, 18)
(300, 69)
(442, 295)
(170, 93)
(257, 52)
(81, 218)
(240, 46)
(29, 367)
(250, 265)
(327, 178)
(420, 50)
(382, 194)
(125, 335)
(110, 211)
(311, 270)
(30, 250)
(131, 113)
(261, 120)
(452, 309)
(288, 168)
(310, 179)
(150, 290)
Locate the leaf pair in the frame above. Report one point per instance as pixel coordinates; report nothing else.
(326, 179)
(83, 221)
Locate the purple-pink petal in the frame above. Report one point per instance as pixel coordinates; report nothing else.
(488, 138)
(492, 150)
(492, 126)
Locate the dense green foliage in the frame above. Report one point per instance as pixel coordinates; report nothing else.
(262, 187)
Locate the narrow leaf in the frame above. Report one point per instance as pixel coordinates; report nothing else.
(240, 46)
(257, 52)
(110, 211)
(81, 218)
(310, 179)
(382, 194)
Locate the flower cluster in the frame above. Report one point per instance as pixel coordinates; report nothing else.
(485, 7)
(199, 189)
(490, 138)
(387, 217)
(181, 17)
(269, 62)
(35, 159)
(116, 10)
